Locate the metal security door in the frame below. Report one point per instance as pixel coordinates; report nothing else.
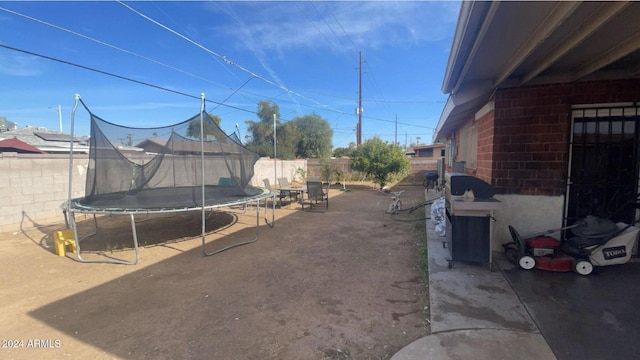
(603, 166)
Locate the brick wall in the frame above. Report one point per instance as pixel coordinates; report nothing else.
(531, 128)
(484, 161)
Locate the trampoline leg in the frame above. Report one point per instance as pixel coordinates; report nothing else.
(79, 258)
(135, 239)
(273, 213)
(204, 251)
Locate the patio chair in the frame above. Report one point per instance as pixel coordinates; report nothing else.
(279, 194)
(284, 183)
(317, 194)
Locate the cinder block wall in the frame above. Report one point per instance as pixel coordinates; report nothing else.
(35, 185)
(267, 168)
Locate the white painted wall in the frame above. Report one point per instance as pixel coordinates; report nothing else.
(528, 214)
(264, 169)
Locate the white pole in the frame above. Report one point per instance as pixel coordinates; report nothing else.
(275, 156)
(60, 116)
(73, 115)
(202, 177)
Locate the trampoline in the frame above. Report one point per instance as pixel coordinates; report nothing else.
(189, 166)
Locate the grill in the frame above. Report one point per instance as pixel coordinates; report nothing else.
(470, 208)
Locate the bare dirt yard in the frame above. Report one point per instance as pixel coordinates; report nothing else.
(340, 284)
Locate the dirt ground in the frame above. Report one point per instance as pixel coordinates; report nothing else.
(341, 284)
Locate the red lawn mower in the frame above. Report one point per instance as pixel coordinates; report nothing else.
(596, 242)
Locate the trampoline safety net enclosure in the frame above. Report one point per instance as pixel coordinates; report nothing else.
(191, 165)
(161, 168)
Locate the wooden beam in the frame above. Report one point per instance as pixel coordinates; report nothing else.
(552, 21)
(608, 11)
(615, 53)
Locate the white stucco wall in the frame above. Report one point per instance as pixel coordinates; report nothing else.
(526, 213)
(265, 169)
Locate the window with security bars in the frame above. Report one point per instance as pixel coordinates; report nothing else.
(603, 169)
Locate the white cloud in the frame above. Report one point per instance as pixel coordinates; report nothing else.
(341, 25)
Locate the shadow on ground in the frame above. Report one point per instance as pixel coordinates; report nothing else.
(338, 284)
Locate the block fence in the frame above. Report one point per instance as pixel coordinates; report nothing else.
(33, 186)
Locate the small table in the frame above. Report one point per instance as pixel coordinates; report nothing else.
(301, 189)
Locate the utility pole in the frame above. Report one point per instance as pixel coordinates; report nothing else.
(395, 140)
(359, 111)
(59, 115)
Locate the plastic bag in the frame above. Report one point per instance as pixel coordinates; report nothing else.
(437, 216)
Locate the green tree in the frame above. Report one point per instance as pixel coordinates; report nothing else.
(315, 136)
(348, 152)
(261, 138)
(381, 160)
(288, 137)
(193, 130)
(308, 136)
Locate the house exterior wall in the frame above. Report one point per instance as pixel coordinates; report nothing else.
(531, 132)
(429, 152)
(530, 143)
(523, 148)
(484, 161)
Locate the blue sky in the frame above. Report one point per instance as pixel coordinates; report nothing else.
(303, 56)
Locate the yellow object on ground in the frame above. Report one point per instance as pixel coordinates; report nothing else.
(62, 239)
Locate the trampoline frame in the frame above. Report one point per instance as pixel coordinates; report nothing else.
(71, 207)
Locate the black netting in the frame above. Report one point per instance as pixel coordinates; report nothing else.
(158, 168)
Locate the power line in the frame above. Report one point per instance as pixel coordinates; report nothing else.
(119, 76)
(215, 55)
(374, 100)
(337, 50)
(377, 88)
(109, 45)
(222, 57)
(400, 123)
(405, 101)
(129, 52)
(355, 47)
